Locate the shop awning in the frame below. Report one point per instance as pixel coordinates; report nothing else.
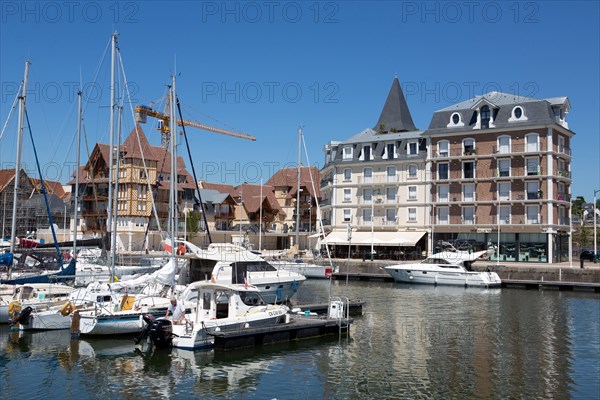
(377, 238)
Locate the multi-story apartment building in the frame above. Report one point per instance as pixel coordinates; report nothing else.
(137, 187)
(284, 184)
(376, 182)
(500, 169)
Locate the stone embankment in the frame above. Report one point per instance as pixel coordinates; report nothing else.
(514, 271)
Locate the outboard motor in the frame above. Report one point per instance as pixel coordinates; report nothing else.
(148, 319)
(161, 333)
(23, 316)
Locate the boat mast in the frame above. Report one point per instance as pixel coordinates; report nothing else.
(22, 99)
(76, 202)
(112, 134)
(298, 191)
(173, 151)
(113, 246)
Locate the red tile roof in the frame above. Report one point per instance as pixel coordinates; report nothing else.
(6, 177)
(219, 187)
(252, 200)
(288, 177)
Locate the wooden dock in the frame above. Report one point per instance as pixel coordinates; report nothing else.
(506, 283)
(552, 285)
(298, 328)
(355, 307)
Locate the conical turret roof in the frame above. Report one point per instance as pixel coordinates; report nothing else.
(395, 116)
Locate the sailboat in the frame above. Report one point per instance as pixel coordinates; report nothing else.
(63, 274)
(309, 270)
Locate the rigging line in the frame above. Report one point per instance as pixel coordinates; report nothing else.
(94, 187)
(68, 117)
(319, 217)
(187, 145)
(43, 190)
(140, 145)
(100, 64)
(11, 110)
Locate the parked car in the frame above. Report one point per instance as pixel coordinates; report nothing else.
(588, 255)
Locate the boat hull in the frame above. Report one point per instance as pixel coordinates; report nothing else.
(46, 320)
(458, 278)
(311, 271)
(198, 337)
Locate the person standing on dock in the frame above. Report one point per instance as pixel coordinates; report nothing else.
(178, 311)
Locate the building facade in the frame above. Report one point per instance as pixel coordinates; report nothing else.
(500, 174)
(491, 170)
(376, 182)
(143, 179)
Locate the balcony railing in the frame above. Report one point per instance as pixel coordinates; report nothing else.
(377, 221)
(379, 179)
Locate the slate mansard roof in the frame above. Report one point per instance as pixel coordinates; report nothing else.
(535, 112)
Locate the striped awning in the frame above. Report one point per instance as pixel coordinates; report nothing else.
(377, 238)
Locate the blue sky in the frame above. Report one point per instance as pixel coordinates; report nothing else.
(266, 68)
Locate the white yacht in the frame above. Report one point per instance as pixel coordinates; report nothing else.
(450, 267)
(309, 270)
(221, 307)
(231, 264)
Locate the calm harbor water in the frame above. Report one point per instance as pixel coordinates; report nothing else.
(411, 342)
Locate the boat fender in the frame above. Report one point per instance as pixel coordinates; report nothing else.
(22, 316)
(181, 250)
(212, 278)
(14, 307)
(66, 309)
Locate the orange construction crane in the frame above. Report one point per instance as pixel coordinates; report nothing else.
(141, 112)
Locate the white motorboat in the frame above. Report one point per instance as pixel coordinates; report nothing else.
(222, 307)
(33, 295)
(309, 270)
(446, 268)
(231, 264)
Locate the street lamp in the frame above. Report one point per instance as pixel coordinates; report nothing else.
(373, 194)
(594, 216)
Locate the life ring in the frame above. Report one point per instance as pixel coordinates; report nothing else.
(180, 250)
(13, 307)
(66, 309)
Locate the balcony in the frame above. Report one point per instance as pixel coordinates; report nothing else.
(468, 221)
(564, 173)
(378, 179)
(563, 197)
(224, 214)
(377, 221)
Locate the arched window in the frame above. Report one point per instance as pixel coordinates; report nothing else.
(485, 116)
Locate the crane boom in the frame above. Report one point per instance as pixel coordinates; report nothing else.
(142, 111)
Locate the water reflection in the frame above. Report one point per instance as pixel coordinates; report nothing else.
(411, 342)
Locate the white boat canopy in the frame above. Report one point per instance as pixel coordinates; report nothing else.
(377, 238)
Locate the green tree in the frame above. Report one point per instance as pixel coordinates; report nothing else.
(578, 207)
(192, 220)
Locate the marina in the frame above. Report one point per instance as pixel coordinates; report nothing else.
(235, 207)
(445, 341)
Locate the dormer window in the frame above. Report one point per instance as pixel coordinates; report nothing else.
(413, 149)
(517, 114)
(455, 120)
(347, 153)
(485, 117)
